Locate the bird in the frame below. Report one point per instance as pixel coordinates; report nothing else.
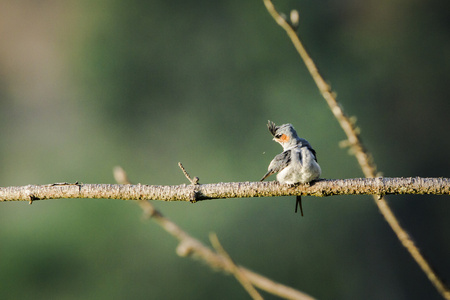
(298, 161)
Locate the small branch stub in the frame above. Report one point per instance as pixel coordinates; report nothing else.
(194, 181)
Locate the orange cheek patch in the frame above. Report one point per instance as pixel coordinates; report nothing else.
(284, 138)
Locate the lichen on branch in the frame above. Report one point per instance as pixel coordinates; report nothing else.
(324, 187)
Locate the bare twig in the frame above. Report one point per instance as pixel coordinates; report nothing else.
(193, 181)
(362, 155)
(330, 187)
(189, 246)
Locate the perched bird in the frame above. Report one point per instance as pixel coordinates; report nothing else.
(297, 163)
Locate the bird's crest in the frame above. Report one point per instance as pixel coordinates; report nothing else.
(272, 127)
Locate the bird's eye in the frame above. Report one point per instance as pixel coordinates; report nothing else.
(278, 135)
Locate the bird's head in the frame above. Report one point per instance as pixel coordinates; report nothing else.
(284, 134)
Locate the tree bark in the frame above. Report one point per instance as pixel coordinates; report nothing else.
(197, 192)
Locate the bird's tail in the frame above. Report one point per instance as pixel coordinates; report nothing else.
(270, 172)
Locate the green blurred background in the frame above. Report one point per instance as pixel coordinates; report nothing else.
(88, 85)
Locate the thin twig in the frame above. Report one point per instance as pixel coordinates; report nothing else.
(185, 172)
(189, 246)
(362, 155)
(235, 270)
(193, 181)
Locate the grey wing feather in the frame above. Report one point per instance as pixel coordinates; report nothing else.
(313, 152)
(305, 143)
(300, 157)
(279, 162)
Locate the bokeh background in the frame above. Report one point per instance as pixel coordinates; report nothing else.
(88, 85)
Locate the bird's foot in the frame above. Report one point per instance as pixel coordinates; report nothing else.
(298, 203)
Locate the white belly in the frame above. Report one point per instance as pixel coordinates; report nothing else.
(300, 172)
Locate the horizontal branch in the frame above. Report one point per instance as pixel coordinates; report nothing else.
(196, 192)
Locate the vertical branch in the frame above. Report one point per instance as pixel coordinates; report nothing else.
(362, 155)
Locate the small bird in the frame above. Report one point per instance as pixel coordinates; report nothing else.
(298, 161)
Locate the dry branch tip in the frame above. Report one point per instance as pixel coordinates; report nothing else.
(193, 181)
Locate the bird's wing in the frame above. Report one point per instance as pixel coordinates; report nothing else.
(313, 152)
(277, 164)
(305, 143)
